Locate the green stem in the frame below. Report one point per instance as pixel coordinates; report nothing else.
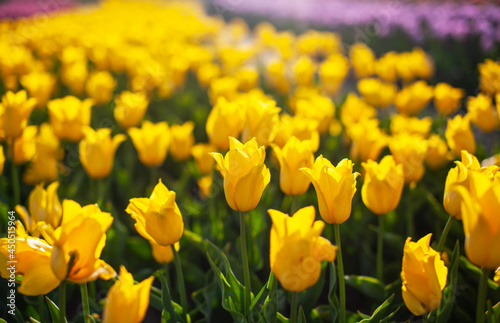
(85, 302)
(15, 176)
(100, 193)
(62, 302)
(180, 279)
(481, 296)
(293, 313)
(446, 229)
(340, 270)
(244, 256)
(292, 205)
(380, 248)
(409, 215)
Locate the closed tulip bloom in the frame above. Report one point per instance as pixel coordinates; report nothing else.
(127, 302)
(75, 76)
(44, 206)
(261, 119)
(459, 175)
(15, 109)
(479, 208)
(69, 117)
(40, 86)
(205, 185)
(81, 236)
(297, 248)
(482, 113)
(447, 98)
(25, 145)
(411, 125)
(97, 151)
(376, 92)
(163, 254)
(100, 86)
(424, 276)
(459, 135)
(410, 151)
(438, 154)
(292, 157)
(386, 67)
(226, 119)
(2, 160)
(383, 185)
(151, 142)
(304, 70)
(489, 72)
(355, 109)
(367, 140)
(158, 218)
(316, 107)
(245, 174)
(181, 140)
(332, 72)
(362, 60)
(130, 108)
(413, 98)
(335, 188)
(303, 129)
(202, 157)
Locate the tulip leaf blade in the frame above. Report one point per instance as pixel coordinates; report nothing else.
(332, 297)
(53, 309)
(269, 312)
(369, 286)
(378, 314)
(302, 315)
(493, 313)
(168, 313)
(476, 271)
(450, 291)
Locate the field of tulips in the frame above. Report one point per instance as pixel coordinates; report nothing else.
(156, 166)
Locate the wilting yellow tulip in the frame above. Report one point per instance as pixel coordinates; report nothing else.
(15, 110)
(424, 276)
(97, 151)
(44, 206)
(151, 141)
(127, 302)
(413, 98)
(163, 254)
(25, 145)
(367, 140)
(376, 92)
(79, 241)
(181, 140)
(447, 98)
(411, 125)
(158, 217)
(437, 154)
(383, 185)
(261, 119)
(130, 108)
(69, 116)
(292, 157)
(482, 113)
(335, 188)
(479, 207)
(297, 248)
(245, 174)
(459, 135)
(458, 175)
(201, 155)
(40, 86)
(410, 151)
(2, 159)
(362, 60)
(226, 119)
(100, 86)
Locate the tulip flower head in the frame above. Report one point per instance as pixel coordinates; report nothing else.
(158, 218)
(245, 174)
(151, 141)
(163, 254)
(459, 135)
(424, 276)
(335, 188)
(261, 119)
(438, 155)
(181, 140)
(130, 108)
(409, 150)
(447, 98)
(15, 109)
(483, 113)
(69, 117)
(297, 248)
(201, 154)
(227, 118)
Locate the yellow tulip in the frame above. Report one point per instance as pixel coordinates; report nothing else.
(438, 154)
(163, 254)
(226, 119)
(303, 129)
(127, 302)
(15, 110)
(97, 151)
(479, 207)
(40, 86)
(276, 76)
(304, 70)
(226, 87)
(332, 72)
(335, 188)
(25, 145)
(297, 248)
(151, 142)
(458, 175)
(414, 64)
(316, 107)
(424, 276)
(447, 98)
(413, 98)
(75, 76)
(489, 74)
(362, 60)
(158, 218)
(386, 67)
(459, 135)
(130, 108)
(247, 77)
(181, 140)
(44, 206)
(201, 155)
(292, 157)
(482, 113)
(2, 159)
(376, 92)
(80, 238)
(69, 117)
(355, 109)
(411, 125)
(261, 119)
(245, 174)
(206, 73)
(383, 185)
(205, 185)
(367, 140)
(100, 86)
(410, 151)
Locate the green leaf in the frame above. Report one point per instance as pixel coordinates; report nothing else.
(332, 298)
(53, 309)
(378, 315)
(269, 312)
(302, 315)
(450, 292)
(369, 286)
(476, 271)
(31, 320)
(3, 321)
(493, 313)
(168, 313)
